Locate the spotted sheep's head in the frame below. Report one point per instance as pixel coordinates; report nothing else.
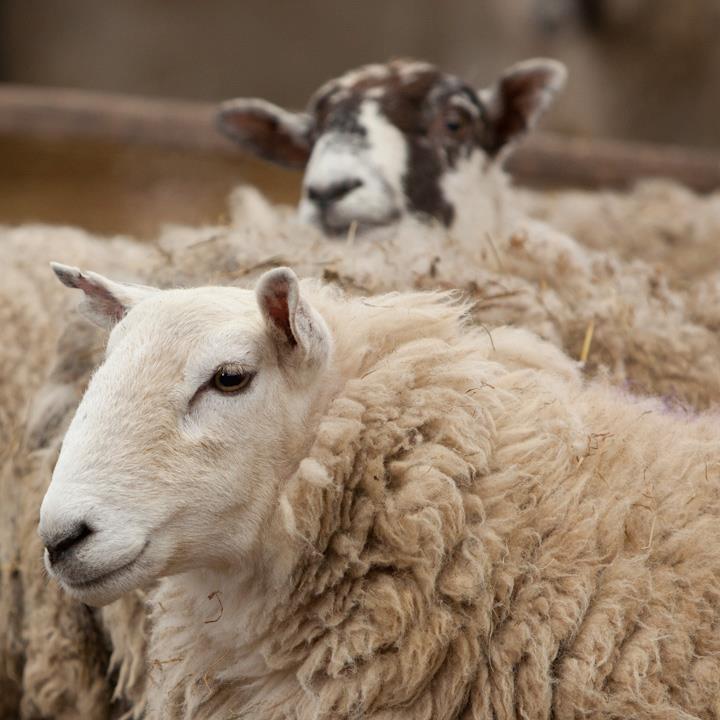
(389, 140)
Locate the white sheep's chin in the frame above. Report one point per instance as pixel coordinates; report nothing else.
(100, 584)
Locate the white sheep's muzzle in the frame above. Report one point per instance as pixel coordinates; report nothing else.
(96, 556)
(97, 544)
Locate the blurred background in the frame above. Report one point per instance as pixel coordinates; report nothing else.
(646, 70)
(640, 69)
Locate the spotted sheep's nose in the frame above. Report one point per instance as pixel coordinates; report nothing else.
(59, 546)
(324, 196)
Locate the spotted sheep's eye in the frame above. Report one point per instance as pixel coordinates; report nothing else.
(453, 125)
(231, 378)
(455, 120)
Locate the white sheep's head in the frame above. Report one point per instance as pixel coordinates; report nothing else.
(385, 141)
(175, 451)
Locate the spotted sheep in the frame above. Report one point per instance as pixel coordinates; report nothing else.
(386, 141)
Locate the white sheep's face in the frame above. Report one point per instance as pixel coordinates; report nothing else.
(173, 457)
(386, 141)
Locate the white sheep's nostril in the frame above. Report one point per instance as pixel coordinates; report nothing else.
(60, 545)
(329, 194)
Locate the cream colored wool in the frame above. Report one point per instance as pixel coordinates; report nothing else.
(474, 532)
(53, 656)
(659, 221)
(31, 310)
(705, 302)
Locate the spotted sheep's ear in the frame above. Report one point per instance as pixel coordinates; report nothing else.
(106, 301)
(516, 101)
(268, 131)
(291, 320)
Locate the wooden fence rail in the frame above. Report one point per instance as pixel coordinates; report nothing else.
(545, 159)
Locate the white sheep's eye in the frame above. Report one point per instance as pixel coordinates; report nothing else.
(230, 379)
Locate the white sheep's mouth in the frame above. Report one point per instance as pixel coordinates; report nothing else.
(116, 577)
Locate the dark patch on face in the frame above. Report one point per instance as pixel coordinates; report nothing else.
(421, 183)
(421, 109)
(457, 120)
(404, 103)
(338, 113)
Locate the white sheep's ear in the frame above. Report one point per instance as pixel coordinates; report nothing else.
(106, 301)
(267, 131)
(290, 318)
(518, 99)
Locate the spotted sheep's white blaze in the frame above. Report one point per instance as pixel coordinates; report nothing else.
(346, 177)
(385, 142)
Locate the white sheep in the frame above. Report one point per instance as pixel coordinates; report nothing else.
(364, 508)
(386, 141)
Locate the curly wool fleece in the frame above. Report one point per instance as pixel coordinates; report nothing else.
(475, 532)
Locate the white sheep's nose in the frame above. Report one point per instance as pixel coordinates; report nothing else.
(59, 544)
(326, 195)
